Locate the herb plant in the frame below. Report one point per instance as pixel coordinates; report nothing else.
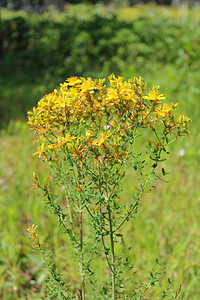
(87, 133)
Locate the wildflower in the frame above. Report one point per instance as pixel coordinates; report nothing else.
(36, 181)
(164, 111)
(116, 82)
(80, 187)
(158, 145)
(112, 95)
(73, 81)
(62, 117)
(35, 176)
(50, 146)
(41, 150)
(154, 95)
(32, 229)
(181, 120)
(104, 137)
(89, 133)
(34, 236)
(88, 85)
(140, 80)
(64, 140)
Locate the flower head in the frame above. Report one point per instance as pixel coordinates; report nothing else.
(62, 118)
(154, 95)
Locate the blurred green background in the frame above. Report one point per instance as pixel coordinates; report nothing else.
(40, 46)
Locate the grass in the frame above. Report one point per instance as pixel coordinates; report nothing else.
(170, 215)
(20, 93)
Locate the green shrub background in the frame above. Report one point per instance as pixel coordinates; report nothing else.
(41, 50)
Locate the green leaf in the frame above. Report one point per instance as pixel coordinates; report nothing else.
(154, 165)
(163, 171)
(135, 166)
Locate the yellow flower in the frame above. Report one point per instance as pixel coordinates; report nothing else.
(34, 110)
(182, 120)
(140, 80)
(73, 81)
(88, 85)
(164, 111)
(154, 95)
(104, 137)
(115, 82)
(89, 133)
(112, 123)
(35, 176)
(50, 147)
(41, 150)
(32, 229)
(112, 95)
(146, 113)
(34, 236)
(119, 108)
(63, 140)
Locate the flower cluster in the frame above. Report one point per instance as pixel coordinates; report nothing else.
(34, 236)
(85, 116)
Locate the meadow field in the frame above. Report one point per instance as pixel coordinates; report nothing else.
(163, 48)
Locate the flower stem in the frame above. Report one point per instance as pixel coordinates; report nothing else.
(81, 251)
(112, 252)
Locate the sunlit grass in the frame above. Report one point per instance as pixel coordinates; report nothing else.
(182, 14)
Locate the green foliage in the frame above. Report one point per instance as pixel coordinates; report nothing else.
(42, 50)
(82, 40)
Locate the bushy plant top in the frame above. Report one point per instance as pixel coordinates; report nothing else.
(87, 116)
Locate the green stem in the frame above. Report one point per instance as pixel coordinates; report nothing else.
(105, 252)
(112, 247)
(81, 251)
(112, 252)
(128, 215)
(81, 232)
